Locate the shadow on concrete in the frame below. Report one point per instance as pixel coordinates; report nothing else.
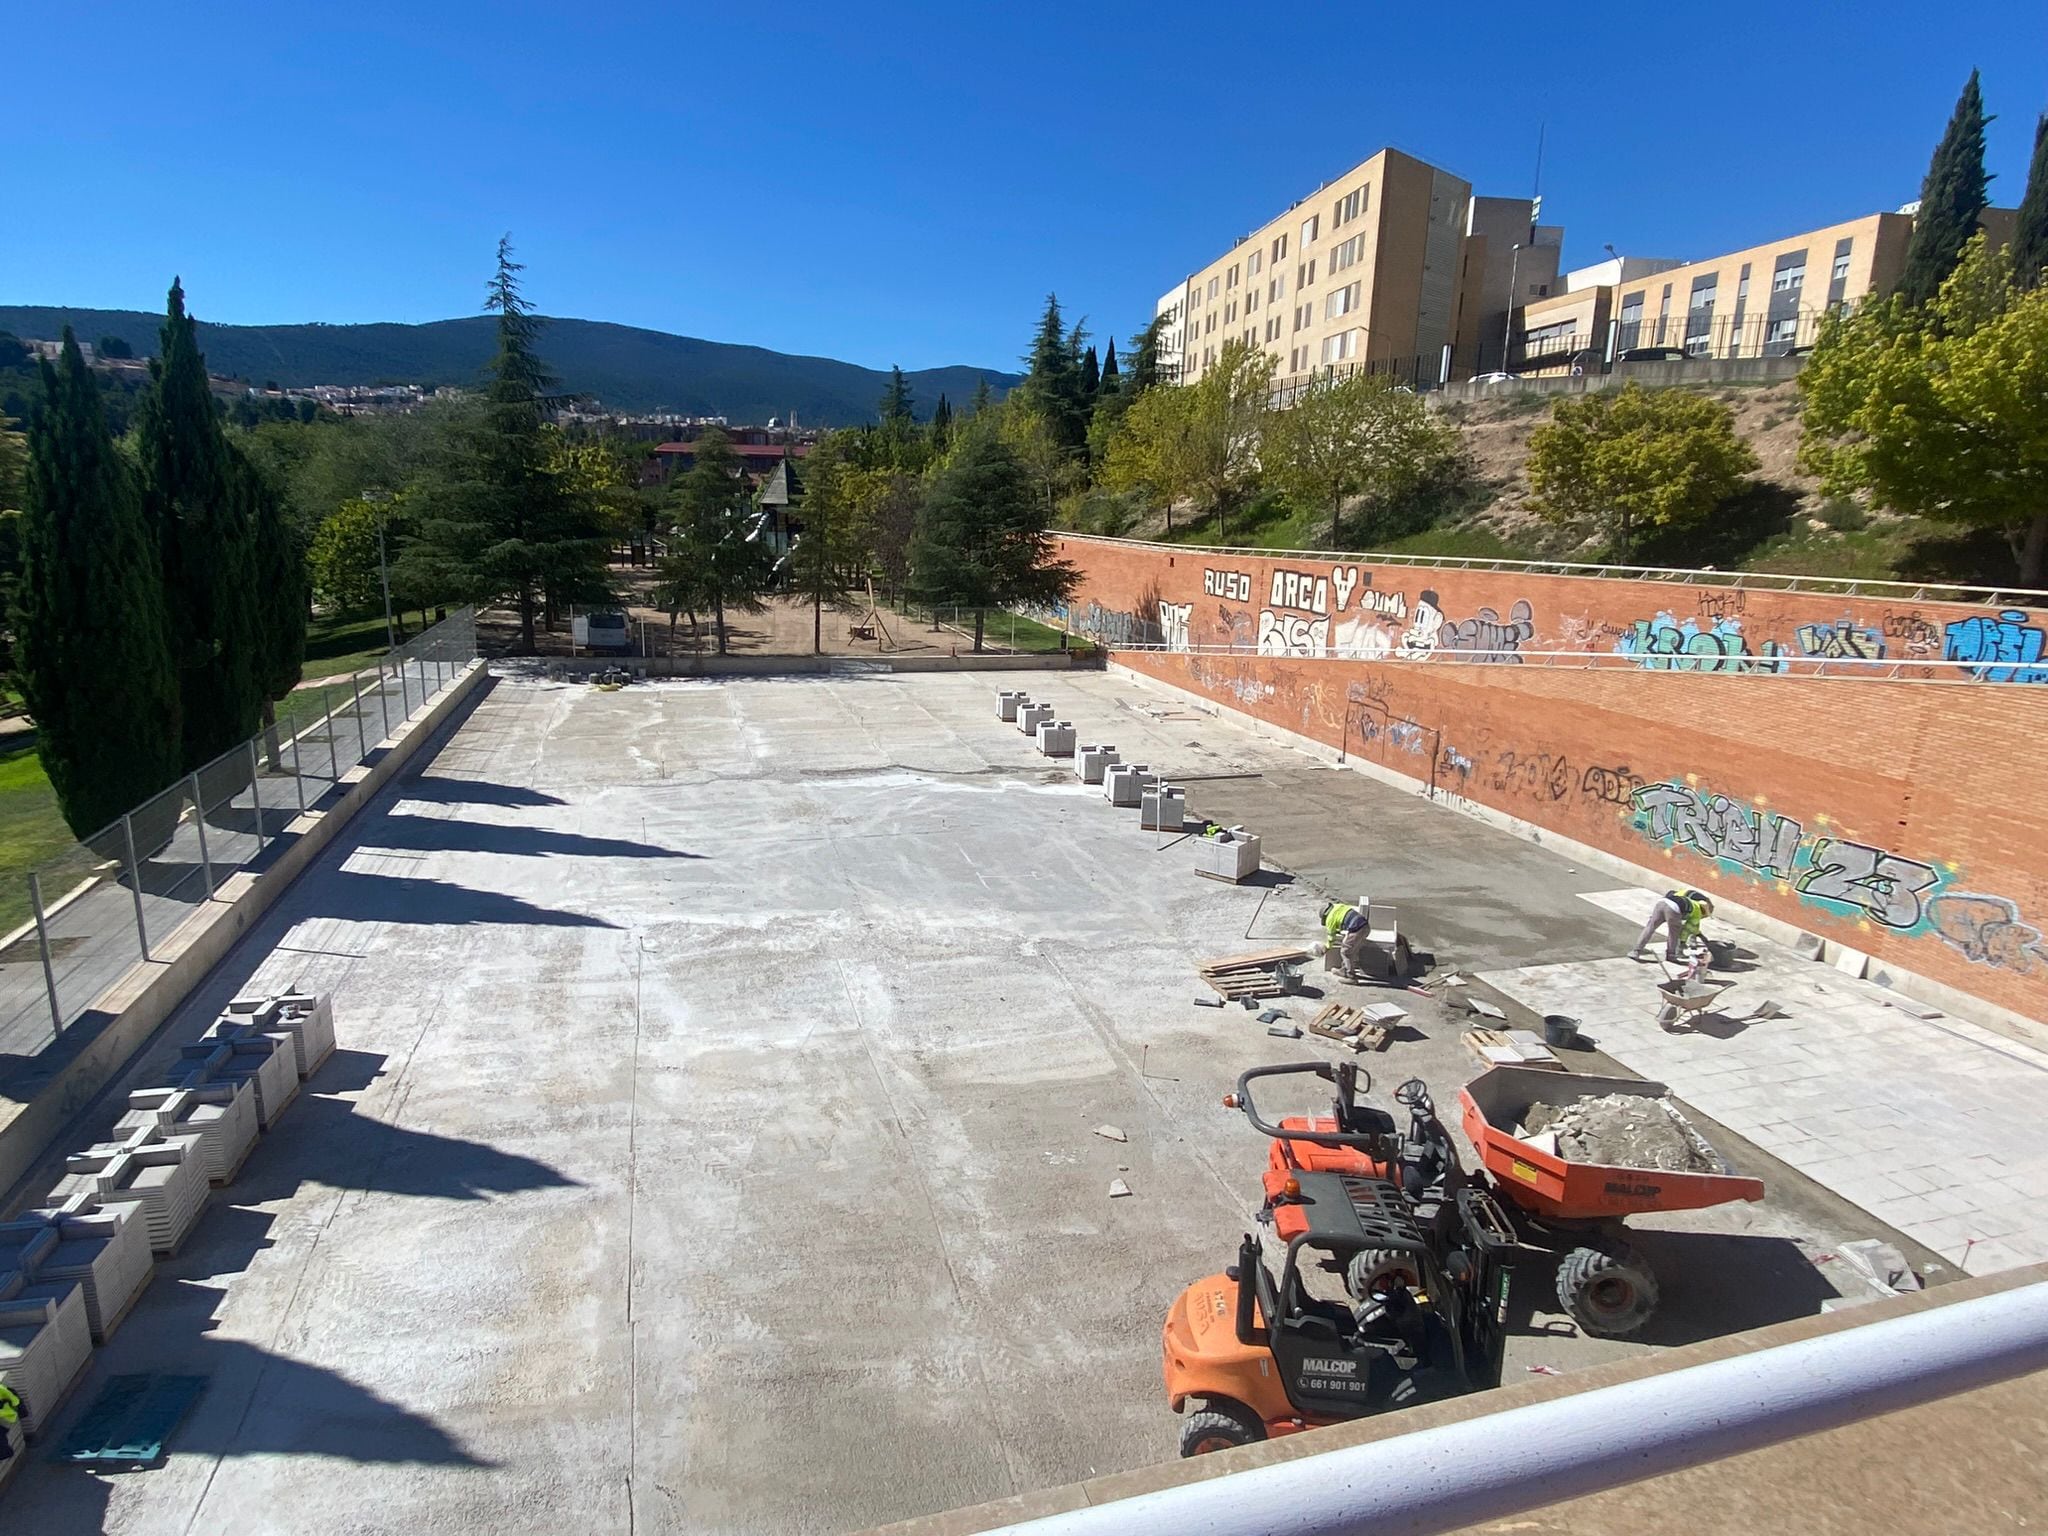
(410, 899)
(435, 834)
(474, 792)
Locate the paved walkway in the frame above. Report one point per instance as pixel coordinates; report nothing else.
(1930, 1125)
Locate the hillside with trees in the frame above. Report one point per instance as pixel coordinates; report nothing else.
(626, 367)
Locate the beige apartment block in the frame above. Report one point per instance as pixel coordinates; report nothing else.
(1370, 268)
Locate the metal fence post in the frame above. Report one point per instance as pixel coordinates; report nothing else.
(404, 694)
(355, 686)
(383, 702)
(333, 757)
(255, 794)
(135, 873)
(35, 901)
(424, 695)
(299, 771)
(199, 826)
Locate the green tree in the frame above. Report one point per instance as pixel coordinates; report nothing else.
(1052, 380)
(281, 585)
(203, 535)
(1357, 436)
(942, 424)
(1149, 452)
(708, 486)
(825, 556)
(1145, 370)
(1111, 378)
(1627, 461)
(980, 402)
(495, 521)
(718, 563)
(1952, 200)
(95, 668)
(2030, 233)
(13, 465)
(895, 407)
(1941, 412)
(1091, 378)
(981, 540)
(114, 346)
(343, 558)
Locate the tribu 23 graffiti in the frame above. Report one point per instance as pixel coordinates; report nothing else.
(1745, 839)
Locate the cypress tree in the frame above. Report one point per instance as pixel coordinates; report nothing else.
(2030, 236)
(280, 583)
(942, 422)
(1091, 377)
(1111, 378)
(95, 670)
(1952, 200)
(203, 539)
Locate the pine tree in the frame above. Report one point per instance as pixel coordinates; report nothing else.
(203, 539)
(980, 540)
(2030, 236)
(1111, 379)
(96, 671)
(895, 408)
(1952, 200)
(980, 402)
(1145, 359)
(495, 520)
(1091, 377)
(1052, 380)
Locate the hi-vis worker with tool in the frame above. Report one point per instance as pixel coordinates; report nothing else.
(1346, 925)
(10, 1414)
(1679, 914)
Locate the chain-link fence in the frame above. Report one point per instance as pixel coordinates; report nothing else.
(117, 896)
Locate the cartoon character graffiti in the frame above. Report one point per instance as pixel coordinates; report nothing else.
(1988, 930)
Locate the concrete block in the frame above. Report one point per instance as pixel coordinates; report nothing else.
(1031, 716)
(1007, 702)
(1807, 944)
(1850, 962)
(1234, 861)
(1163, 809)
(1126, 783)
(1092, 762)
(45, 1343)
(1056, 739)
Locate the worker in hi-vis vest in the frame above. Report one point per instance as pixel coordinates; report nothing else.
(1347, 928)
(1679, 914)
(10, 1414)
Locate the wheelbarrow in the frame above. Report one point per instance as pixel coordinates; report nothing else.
(1579, 1207)
(1685, 996)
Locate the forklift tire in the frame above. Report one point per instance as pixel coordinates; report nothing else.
(1607, 1294)
(1219, 1426)
(1371, 1266)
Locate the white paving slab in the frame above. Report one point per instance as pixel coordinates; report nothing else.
(1930, 1125)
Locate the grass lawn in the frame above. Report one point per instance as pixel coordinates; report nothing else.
(336, 644)
(31, 831)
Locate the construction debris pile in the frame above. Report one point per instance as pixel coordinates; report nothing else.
(1620, 1130)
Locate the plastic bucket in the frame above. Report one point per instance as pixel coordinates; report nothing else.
(1560, 1029)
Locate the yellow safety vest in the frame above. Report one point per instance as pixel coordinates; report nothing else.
(1334, 923)
(10, 1406)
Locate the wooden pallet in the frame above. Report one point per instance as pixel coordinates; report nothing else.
(1255, 975)
(1479, 1041)
(1349, 1025)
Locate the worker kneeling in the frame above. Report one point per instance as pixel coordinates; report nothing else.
(1349, 930)
(1679, 914)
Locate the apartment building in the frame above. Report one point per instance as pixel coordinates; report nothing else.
(1370, 268)
(1766, 301)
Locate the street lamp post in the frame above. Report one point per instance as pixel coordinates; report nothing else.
(1507, 330)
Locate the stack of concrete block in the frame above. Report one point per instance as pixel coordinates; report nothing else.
(1031, 716)
(1008, 702)
(164, 1175)
(1056, 738)
(1163, 808)
(1234, 861)
(45, 1343)
(221, 1112)
(1126, 783)
(1091, 762)
(307, 1017)
(104, 1248)
(233, 1048)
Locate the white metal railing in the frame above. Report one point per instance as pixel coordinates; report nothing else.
(1770, 664)
(1757, 581)
(1488, 1468)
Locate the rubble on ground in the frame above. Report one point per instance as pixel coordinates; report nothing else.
(1622, 1130)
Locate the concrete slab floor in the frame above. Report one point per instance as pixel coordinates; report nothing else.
(710, 1148)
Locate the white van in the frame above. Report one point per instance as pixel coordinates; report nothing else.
(602, 632)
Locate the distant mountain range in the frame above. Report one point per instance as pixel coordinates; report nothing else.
(629, 369)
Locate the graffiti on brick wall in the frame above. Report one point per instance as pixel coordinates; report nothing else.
(1610, 784)
(2003, 648)
(1663, 643)
(1746, 839)
(1112, 626)
(1988, 930)
(1910, 633)
(1539, 775)
(1841, 640)
(1232, 586)
(1488, 636)
(1173, 624)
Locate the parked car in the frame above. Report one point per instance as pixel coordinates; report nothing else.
(602, 632)
(1497, 377)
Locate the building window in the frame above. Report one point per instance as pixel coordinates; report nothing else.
(1310, 228)
(1789, 279)
(1841, 267)
(1274, 290)
(1212, 286)
(1251, 263)
(1230, 313)
(1251, 300)
(1346, 208)
(1742, 285)
(1279, 247)
(1209, 325)
(1631, 332)
(1347, 253)
(1231, 281)
(1341, 347)
(1342, 302)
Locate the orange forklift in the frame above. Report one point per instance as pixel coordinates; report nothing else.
(1391, 1290)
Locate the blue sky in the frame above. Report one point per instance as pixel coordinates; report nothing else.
(903, 183)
